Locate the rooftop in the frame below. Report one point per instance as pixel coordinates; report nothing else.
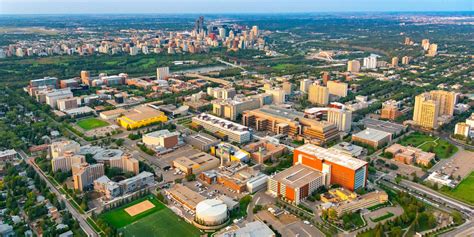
(162, 133)
(252, 229)
(297, 176)
(186, 195)
(372, 134)
(334, 156)
(223, 123)
(393, 128)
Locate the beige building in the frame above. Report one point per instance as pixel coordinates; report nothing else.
(161, 138)
(462, 129)
(65, 162)
(395, 62)
(278, 95)
(162, 73)
(223, 128)
(196, 163)
(353, 66)
(59, 148)
(231, 109)
(406, 60)
(372, 137)
(410, 155)
(287, 87)
(337, 88)
(304, 85)
(318, 94)
(341, 117)
(68, 103)
(447, 101)
(84, 174)
(432, 50)
(126, 163)
(364, 201)
(221, 93)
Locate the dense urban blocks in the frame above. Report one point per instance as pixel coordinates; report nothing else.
(91, 123)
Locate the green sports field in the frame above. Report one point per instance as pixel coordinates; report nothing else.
(464, 191)
(157, 221)
(91, 123)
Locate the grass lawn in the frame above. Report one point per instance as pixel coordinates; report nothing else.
(162, 223)
(91, 123)
(442, 148)
(370, 233)
(464, 191)
(120, 218)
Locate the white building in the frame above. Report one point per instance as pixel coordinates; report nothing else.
(162, 73)
(341, 117)
(370, 62)
(234, 131)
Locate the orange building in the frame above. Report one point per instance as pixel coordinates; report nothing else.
(340, 168)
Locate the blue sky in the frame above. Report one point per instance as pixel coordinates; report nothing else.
(226, 6)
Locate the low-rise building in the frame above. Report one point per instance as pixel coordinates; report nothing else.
(113, 189)
(251, 229)
(263, 150)
(196, 163)
(372, 137)
(224, 128)
(161, 138)
(201, 141)
(65, 162)
(410, 155)
(141, 116)
(8, 155)
(364, 201)
(112, 114)
(185, 196)
(349, 149)
(227, 153)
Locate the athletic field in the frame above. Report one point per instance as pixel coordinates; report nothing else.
(155, 221)
(91, 123)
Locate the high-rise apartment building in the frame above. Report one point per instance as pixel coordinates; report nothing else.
(318, 94)
(395, 62)
(221, 93)
(370, 62)
(162, 73)
(326, 78)
(432, 50)
(447, 101)
(405, 60)
(84, 174)
(337, 88)
(59, 148)
(65, 162)
(353, 66)
(341, 118)
(426, 111)
(304, 85)
(425, 43)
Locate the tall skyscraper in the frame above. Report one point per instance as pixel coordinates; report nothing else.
(162, 73)
(432, 50)
(318, 94)
(425, 43)
(199, 25)
(341, 117)
(353, 66)
(447, 101)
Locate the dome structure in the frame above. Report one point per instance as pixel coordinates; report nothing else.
(211, 212)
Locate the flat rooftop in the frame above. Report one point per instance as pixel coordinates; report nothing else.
(186, 195)
(297, 176)
(334, 156)
(372, 134)
(222, 123)
(393, 128)
(198, 159)
(162, 133)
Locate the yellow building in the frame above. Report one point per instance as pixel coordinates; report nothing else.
(337, 88)
(140, 117)
(426, 111)
(318, 94)
(446, 100)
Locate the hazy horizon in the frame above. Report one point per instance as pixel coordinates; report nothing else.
(45, 7)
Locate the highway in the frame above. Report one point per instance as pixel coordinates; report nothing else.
(75, 213)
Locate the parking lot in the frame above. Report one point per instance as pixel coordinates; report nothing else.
(460, 164)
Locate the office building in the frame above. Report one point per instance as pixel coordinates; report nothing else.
(393, 128)
(223, 128)
(65, 162)
(72, 83)
(195, 164)
(372, 137)
(278, 95)
(201, 141)
(305, 84)
(447, 101)
(126, 163)
(349, 149)
(221, 93)
(162, 73)
(342, 118)
(68, 103)
(233, 108)
(161, 138)
(425, 43)
(84, 175)
(263, 150)
(353, 66)
(337, 88)
(141, 116)
(55, 95)
(326, 77)
(390, 110)
(370, 62)
(49, 82)
(85, 76)
(339, 168)
(185, 196)
(287, 87)
(295, 183)
(59, 148)
(318, 94)
(113, 189)
(290, 122)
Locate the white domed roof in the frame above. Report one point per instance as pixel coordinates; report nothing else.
(211, 210)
